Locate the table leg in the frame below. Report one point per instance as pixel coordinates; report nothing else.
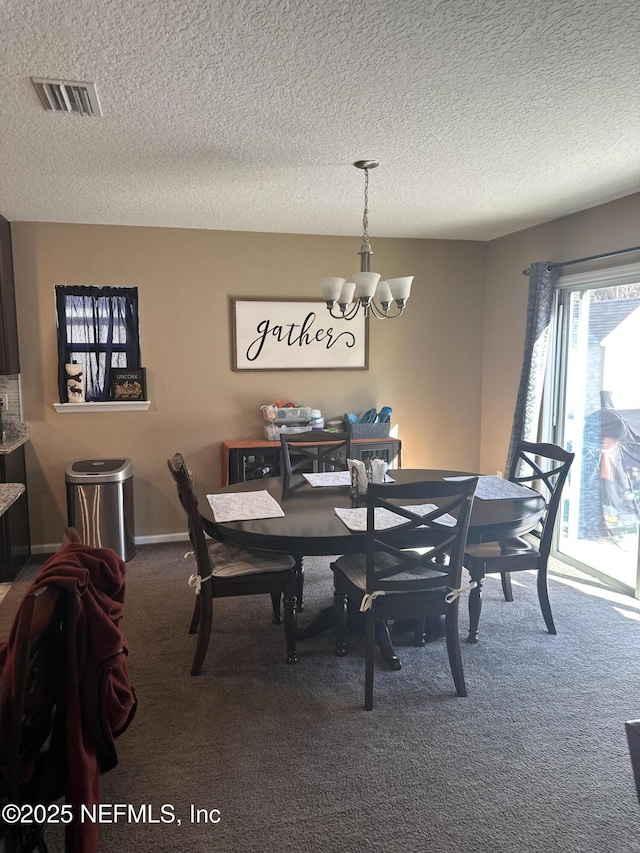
(423, 630)
(383, 639)
(324, 621)
(320, 623)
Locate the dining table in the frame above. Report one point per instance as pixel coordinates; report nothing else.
(309, 526)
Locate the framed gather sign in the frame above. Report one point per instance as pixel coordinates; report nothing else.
(296, 334)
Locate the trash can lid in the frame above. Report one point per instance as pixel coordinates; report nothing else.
(99, 470)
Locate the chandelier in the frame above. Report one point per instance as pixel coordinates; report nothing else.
(345, 298)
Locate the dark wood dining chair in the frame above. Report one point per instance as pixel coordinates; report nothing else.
(391, 582)
(316, 450)
(543, 467)
(225, 570)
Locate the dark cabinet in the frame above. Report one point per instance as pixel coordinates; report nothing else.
(15, 539)
(253, 460)
(387, 449)
(9, 359)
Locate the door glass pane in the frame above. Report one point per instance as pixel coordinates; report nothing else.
(601, 424)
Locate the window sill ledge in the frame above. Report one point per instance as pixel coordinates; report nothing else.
(83, 408)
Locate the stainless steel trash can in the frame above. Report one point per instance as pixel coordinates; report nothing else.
(100, 503)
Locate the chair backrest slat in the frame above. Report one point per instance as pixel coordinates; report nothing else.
(544, 467)
(439, 534)
(189, 501)
(323, 449)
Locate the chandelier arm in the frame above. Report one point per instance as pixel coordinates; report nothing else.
(349, 315)
(381, 314)
(345, 315)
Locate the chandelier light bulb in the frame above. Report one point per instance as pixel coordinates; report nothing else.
(346, 296)
(331, 289)
(400, 287)
(383, 294)
(366, 284)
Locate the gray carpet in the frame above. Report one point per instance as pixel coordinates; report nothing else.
(534, 759)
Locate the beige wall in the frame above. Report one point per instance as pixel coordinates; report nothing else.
(605, 228)
(427, 365)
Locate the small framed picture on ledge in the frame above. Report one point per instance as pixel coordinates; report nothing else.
(128, 384)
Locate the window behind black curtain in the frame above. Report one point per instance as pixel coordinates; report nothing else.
(98, 328)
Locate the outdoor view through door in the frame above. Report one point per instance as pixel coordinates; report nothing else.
(599, 404)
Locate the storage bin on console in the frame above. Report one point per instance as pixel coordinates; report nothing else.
(286, 415)
(272, 431)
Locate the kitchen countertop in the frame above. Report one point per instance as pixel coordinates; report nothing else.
(9, 494)
(15, 435)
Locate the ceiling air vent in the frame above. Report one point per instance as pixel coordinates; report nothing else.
(68, 97)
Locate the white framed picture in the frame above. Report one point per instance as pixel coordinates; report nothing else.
(295, 334)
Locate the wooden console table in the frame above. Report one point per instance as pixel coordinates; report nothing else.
(236, 465)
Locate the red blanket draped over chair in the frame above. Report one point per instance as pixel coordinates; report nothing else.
(99, 699)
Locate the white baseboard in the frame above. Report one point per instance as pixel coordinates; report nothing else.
(140, 540)
(162, 538)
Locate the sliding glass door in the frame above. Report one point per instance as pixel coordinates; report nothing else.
(597, 373)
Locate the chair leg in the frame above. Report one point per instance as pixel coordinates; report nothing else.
(340, 620)
(205, 623)
(505, 577)
(370, 651)
(299, 570)
(543, 597)
(275, 606)
(196, 616)
(290, 618)
(632, 729)
(475, 608)
(453, 649)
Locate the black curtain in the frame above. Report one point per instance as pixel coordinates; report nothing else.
(97, 328)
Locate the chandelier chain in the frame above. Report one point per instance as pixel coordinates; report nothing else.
(365, 218)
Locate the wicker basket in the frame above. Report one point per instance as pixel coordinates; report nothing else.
(370, 430)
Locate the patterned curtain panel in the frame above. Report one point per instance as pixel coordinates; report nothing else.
(542, 287)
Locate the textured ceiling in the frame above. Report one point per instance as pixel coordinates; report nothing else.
(487, 116)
